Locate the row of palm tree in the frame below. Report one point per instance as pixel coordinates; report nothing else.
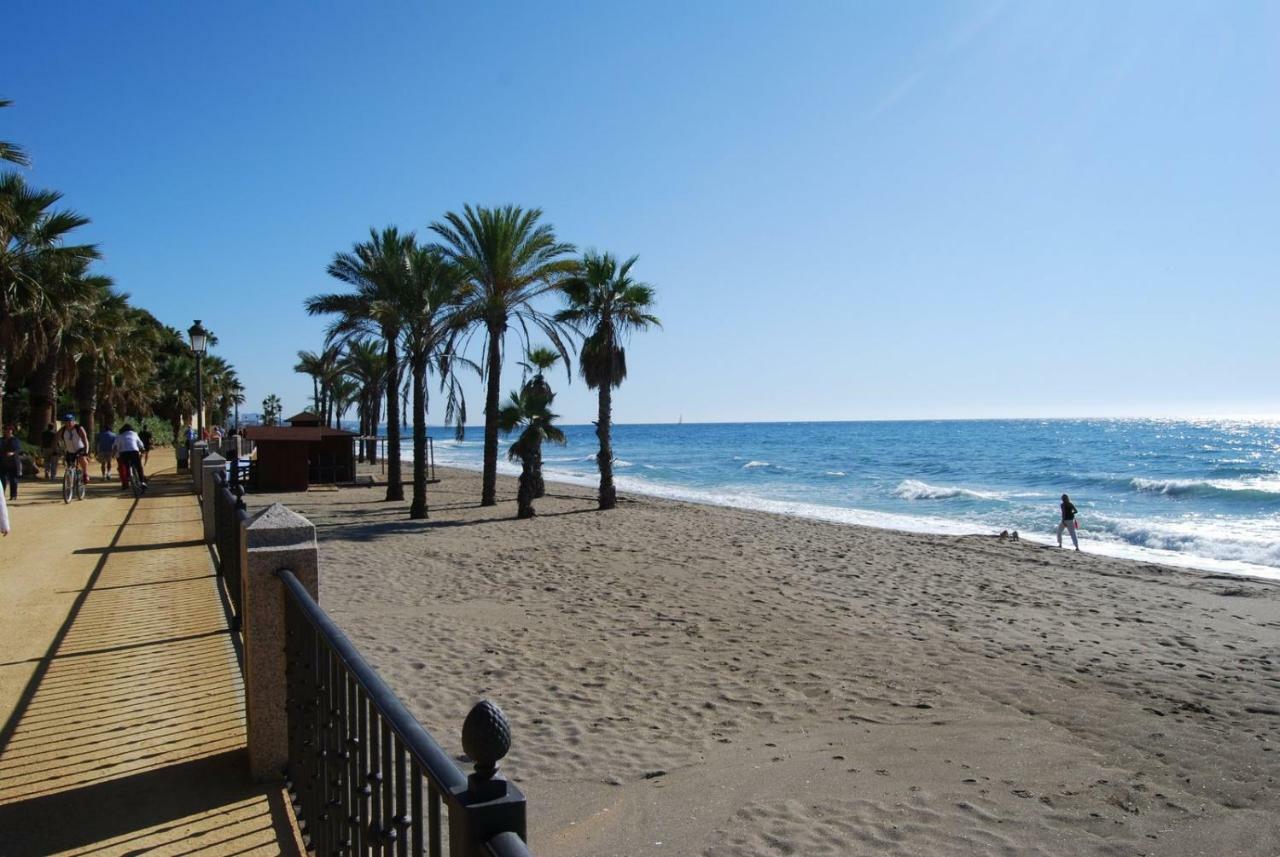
(484, 276)
(69, 339)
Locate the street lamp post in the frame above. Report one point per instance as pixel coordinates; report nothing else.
(199, 345)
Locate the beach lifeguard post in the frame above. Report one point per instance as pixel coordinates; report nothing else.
(301, 454)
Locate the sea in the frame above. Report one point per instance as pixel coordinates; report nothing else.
(1202, 494)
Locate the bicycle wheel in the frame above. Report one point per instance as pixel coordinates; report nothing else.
(68, 479)
(80, 489)
(135, 480)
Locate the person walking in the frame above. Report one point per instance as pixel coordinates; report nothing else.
(1069, 522)
(105, 441)
(49, 449)
(10, 462)
(4, 516)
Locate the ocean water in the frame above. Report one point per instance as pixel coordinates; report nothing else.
(1202, 494)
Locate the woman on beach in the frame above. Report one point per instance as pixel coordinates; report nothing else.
(1068, 522)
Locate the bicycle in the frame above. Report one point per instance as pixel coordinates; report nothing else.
(73, 482)
(136, 485)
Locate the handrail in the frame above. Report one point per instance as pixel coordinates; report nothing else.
(418, 742)
(362, 772)
(507, 845)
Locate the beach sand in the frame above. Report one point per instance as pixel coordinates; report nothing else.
(686, 679)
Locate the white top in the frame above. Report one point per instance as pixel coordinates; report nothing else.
(71, 439)
(127, 442)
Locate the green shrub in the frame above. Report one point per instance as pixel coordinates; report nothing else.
(161, 431)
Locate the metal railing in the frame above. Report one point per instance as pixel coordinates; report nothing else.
(229, 520)
(364, 777)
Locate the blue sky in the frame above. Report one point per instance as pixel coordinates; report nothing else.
(849, 210)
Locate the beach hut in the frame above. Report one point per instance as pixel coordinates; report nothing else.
(301, 454)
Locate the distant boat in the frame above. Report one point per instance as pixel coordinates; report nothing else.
(680, 421)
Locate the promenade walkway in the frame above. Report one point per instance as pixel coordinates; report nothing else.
(121, 704)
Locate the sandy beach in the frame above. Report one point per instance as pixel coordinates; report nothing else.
(695, 680)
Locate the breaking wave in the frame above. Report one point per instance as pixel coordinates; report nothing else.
(914, 489)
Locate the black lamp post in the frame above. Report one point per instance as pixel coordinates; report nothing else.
(199, 345)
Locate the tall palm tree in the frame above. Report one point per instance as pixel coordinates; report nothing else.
(237, 399)
(377, 270)
(605, 305)
(529, 409)
(32, 250)
(271, 410)
(366, 364)
(509, 260)
(435, 288)
(309, 364)
(69, 292)
(538, 361)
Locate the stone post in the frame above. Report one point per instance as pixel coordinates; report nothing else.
(209, 465)
(277, 538)
(199, 450)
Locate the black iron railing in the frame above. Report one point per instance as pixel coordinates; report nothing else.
(229, 520)
(364, 777)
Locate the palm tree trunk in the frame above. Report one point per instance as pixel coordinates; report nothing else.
(524, 497)
(489, 484)
(418, 509)
(539, 485)
(375, 417)
(87, 392)
(363, 429)
(395, 487)
(604, 426)
(43, 397)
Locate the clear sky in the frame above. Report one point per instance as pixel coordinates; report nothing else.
(849, 209)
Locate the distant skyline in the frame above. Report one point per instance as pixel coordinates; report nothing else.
(849, 211)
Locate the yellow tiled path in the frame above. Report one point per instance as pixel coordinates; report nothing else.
(122, 727)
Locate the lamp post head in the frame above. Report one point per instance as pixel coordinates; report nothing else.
(199, 338)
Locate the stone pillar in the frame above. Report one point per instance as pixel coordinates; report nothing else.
(209, 465)
(276, 538)
(199, 450)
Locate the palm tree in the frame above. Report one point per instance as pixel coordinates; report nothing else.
(271, 410)
(539, 360)
(509, 260)
(435, 288)
(531, 409)
(12, 152)
(309, 364)
(366, 364)
(605, 305)
(342, 393)
(69, 292)
(32, 251)
(237, 399)
(377, 269)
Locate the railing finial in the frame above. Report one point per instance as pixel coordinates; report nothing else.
(486, 738)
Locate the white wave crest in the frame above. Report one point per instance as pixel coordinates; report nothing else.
(914, 489)
(834, 473)
(1222, 487)
(756, 465)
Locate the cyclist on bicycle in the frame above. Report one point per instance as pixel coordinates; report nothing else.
(128, 448)
(74, 442)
